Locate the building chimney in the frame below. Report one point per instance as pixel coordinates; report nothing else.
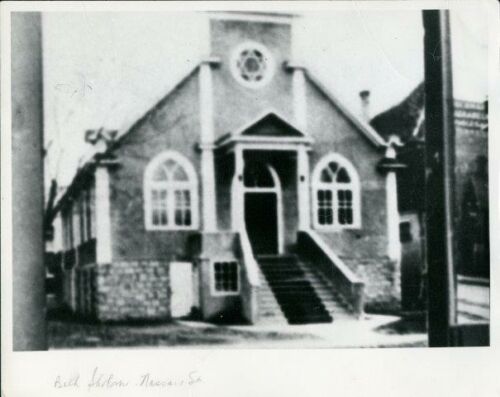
(365, 105)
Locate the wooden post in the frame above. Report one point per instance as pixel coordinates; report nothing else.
(439, 164)
(29, 331)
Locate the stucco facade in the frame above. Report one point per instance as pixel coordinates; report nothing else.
(244, 134)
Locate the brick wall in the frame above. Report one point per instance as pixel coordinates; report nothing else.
(133, 290)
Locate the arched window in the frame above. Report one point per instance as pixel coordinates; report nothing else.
(170, 193)
(336, 194)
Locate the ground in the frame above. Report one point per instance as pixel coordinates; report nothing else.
(371, 331)
(473, 300)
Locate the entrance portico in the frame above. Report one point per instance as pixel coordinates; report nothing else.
(271, 175)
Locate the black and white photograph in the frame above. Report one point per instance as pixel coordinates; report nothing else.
(247, 176)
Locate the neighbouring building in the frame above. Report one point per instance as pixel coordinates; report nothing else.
(406, 120)
(248, 193)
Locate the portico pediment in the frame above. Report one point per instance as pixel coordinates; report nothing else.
(271, 125)
(267, 128)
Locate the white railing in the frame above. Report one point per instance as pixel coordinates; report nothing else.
(345, 281)
(339, 263)
(250, 279)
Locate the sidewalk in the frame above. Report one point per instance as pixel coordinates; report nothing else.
(473, 300)
(371, 331)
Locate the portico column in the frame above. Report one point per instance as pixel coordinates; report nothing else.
(209, 207)
(103, 216)
(304, 208)
(237, 191)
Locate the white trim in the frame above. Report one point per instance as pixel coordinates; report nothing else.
(303, 198)
(208, 191)
(206, 104)
(191, 185)
(339, 263)
(299, 98)
(354, 186)
(282, 147)
(269, 139)
(103, 216)
(279, 207)
(268, 57)
(213, 291)
(207, 156)
(393, 219)
(253, 16)
(237, 217)
(420, 120)
(239, 195)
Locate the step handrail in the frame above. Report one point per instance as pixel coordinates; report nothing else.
(344, 279)
(250, 264)
(250, 280)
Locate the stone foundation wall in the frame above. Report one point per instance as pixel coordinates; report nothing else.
(133, 290)
(382, 278)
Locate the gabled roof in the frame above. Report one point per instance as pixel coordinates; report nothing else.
(367, 130)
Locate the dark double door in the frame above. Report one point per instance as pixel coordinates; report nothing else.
(261, 222)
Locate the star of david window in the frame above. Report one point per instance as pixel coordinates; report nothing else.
(252, 65)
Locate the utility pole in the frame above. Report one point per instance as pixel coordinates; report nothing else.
(29, 331)
(439, 166)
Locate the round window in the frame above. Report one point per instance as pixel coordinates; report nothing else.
(252, 65)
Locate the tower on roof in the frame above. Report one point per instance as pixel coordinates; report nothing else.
(266, 34)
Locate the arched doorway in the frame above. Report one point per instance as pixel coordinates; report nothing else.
(262, 208)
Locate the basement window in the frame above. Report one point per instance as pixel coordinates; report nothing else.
(226, 278)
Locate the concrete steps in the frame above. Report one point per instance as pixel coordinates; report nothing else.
(334, 303)
(269, 309)
(295, 296)
(293, 291)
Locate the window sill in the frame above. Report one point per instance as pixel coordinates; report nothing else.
(336, 228)
(221, 294)
(170, 229)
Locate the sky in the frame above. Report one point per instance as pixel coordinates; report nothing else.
(108, 69)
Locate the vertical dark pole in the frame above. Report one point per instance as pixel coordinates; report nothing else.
(27, 183)
(439, 164)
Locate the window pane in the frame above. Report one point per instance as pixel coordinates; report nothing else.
(187, 218)
(179, 218)
(159, 174)
(333, 166)
(326, 176)
(159, 207)
(343, 176)
(345, 212)
(156, 217)
(325, 207)
(226, 276)
(179, 174)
